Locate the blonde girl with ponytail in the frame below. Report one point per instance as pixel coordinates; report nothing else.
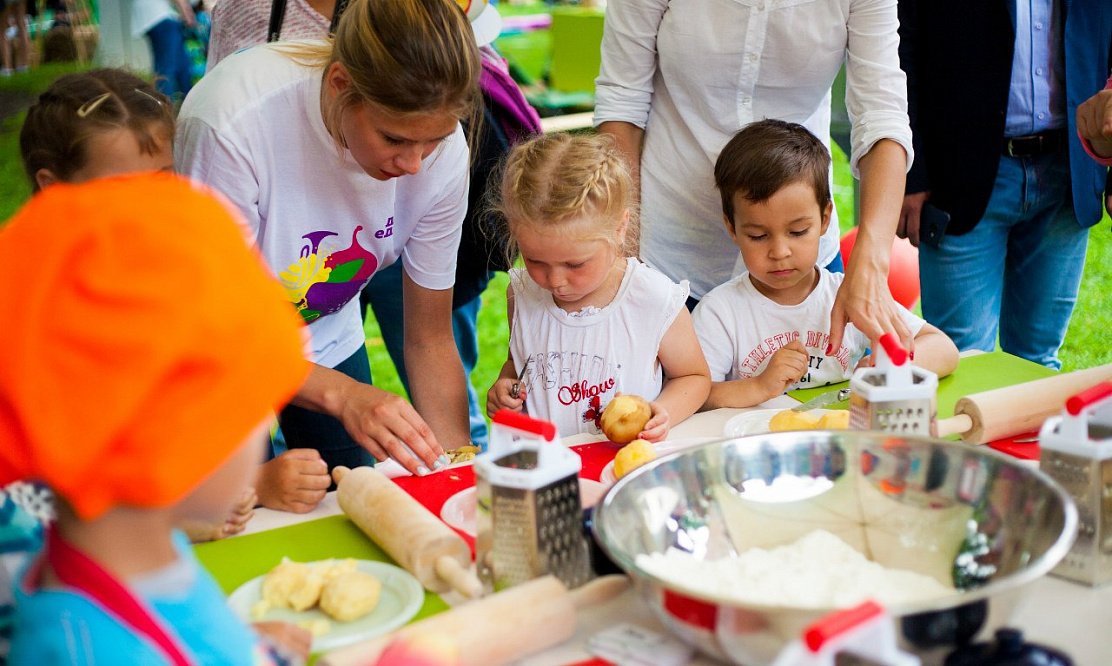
(587, 320)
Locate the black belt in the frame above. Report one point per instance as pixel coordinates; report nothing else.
(1033, 145)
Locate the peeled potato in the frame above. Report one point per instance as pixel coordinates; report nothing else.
(791, 420)
(298, 585)
(350, 595)
(625, 417)
(834, 420)
(633, 455)
(291, 585)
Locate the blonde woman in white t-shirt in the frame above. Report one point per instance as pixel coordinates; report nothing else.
(768, 330)
(586, 320)
(345, 156)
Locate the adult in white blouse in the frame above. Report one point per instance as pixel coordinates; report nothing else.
(678, 79)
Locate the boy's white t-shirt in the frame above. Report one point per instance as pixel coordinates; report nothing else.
(740, 329)
(253, 130)
(578, 362)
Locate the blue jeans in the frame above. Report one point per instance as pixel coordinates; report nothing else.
(384, 296)
(171, 62)
(1017, 271)
(306, 429)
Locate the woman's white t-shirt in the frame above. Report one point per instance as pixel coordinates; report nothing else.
(577, 362)
(253, 130)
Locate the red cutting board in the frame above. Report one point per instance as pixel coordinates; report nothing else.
(434, 490)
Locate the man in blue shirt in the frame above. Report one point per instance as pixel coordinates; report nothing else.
(1001, 194)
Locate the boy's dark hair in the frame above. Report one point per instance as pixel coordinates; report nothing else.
(79, 106)
(768, 155)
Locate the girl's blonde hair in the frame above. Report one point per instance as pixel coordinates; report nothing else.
(76, 107)
(403, 56)
(553, 181)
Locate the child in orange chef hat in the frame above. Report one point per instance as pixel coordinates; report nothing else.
(146, 353)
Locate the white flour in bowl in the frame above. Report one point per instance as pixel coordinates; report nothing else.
(817, 571)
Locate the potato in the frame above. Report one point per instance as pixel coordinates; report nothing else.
(350, 595)
(633, 455)
(625, 417)
(834, 420)
(292, 585)
(298, 585)
(792, 420)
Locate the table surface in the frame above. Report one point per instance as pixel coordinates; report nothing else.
(1057, 612)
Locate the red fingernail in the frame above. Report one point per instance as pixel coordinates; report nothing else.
(911, 355)
(829, 349)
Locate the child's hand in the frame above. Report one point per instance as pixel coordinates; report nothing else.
(242, 512)
(659, 424)
(787, 366)
(295, 481)
(867, 361)
(286, 637)
(200, 531)
(500, 396)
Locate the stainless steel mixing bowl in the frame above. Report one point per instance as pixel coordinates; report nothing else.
(966, 516)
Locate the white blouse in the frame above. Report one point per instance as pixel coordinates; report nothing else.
(691, 73)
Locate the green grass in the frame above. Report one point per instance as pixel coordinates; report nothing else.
(494, 339)
(1089, 337)
(14, 188)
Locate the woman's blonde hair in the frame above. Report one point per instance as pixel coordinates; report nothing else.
(403, 56)
(553, 181)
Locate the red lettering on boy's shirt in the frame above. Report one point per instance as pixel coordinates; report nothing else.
(752, 364)
(569, 395)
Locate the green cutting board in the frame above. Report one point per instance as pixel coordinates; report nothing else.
(234, 561)
(975, 373)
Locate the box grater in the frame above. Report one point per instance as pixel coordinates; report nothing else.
(1075, 449)
(893, 395)
(528, 518)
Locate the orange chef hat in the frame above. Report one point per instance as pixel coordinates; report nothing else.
(144, 341)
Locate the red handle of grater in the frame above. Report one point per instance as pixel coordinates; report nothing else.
(1087, 397)
(838, 623)
(896, 353)
(545, 429)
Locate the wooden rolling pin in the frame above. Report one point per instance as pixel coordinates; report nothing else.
(502, 627)
(422, 544)
(1009, 411)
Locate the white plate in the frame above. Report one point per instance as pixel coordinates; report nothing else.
(459, 510)
(402, 596)
(755, 422)
(607, 477)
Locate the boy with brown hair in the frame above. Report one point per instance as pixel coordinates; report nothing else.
(767, 330)
(142, 316)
